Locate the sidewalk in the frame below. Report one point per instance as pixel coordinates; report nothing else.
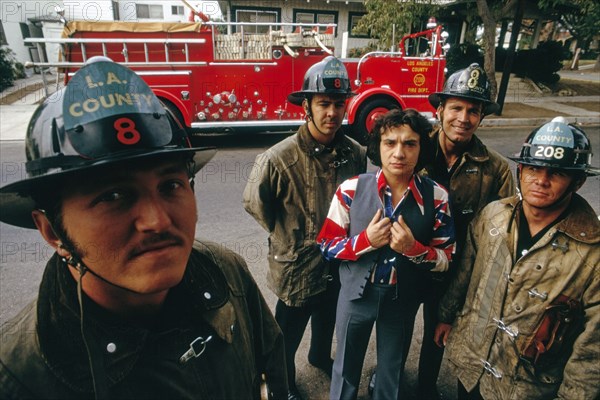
(526, 104)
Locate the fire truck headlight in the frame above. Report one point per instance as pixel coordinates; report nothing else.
(232, 98)
(201, 116)
(185, 95)
(216, 115)
(217, 98)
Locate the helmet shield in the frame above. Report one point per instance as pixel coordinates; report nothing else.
(470, 84)
(557, 145)
(108, 109)
(328, 76)
(105, 115)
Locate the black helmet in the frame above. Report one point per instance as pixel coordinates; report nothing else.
(560, 145)
(328, 76)
(471, 84)
(106, 114)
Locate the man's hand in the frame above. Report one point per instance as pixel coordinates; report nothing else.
(402, 237)
(378, 231)
(440, 337)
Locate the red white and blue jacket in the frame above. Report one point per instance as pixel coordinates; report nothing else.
(338, 242)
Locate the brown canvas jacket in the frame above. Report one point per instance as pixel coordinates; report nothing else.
(497, 300)
(288, 194)
(43, 355)
(482, 176)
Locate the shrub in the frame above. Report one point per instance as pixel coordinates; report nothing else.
(462, 55)
(7, 76)
(540, 64)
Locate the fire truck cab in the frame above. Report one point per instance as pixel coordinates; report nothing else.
(235, 77)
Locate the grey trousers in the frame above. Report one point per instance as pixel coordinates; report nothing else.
(354, 323)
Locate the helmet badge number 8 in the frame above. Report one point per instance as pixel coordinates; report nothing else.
(474, 79)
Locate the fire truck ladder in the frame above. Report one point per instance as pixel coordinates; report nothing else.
(125, 51)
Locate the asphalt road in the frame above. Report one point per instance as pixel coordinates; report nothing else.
(222, 219)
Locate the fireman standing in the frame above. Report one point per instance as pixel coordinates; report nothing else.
(474, 175)
(288, 194)
(130, 306)
(528, 283)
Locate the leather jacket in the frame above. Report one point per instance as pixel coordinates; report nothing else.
(507, 296)
(44, 355)
(481, 177)
(288, 194)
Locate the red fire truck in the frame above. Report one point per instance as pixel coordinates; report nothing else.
(226, 77)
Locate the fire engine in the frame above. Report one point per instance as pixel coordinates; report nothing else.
(221, 77)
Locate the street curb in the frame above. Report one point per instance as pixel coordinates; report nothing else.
(8, 97)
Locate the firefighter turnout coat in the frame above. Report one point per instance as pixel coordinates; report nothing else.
(288, 194)
(513, 301)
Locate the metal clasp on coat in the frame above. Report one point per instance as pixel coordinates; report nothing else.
(197, 347)
(534, 293)
(488, 367)
(557, 245)
(512, 332)
(338, 163)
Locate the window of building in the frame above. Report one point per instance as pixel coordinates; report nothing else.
(353, 18)
(316, 17)
(177, 10)
(2, 35)
(149, 11)
(25, 32)
(256, 14)
(115, 10)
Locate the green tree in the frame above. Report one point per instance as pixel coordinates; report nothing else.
(580, 17)
(383, 15)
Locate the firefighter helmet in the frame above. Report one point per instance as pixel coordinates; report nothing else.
(470, 84)
(106, 114)
(328, 76)
(560, 145)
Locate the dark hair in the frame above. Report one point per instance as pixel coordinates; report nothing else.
(395, 118)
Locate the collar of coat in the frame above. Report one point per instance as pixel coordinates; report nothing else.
(475, 150)
(187, 306)
(580, 224)
(313, 148)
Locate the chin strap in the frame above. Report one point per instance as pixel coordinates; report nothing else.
(97, 371)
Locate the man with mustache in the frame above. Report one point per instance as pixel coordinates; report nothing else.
(522, 314)
(130, 305)
(288, 193)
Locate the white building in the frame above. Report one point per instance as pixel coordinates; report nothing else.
(20, 19)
